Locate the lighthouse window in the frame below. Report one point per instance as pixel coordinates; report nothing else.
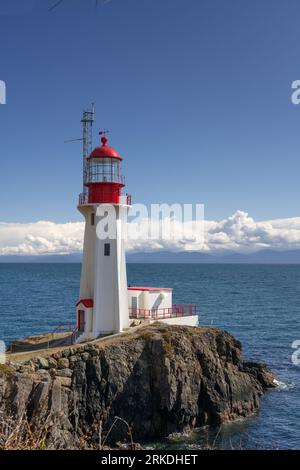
(106, 249)
(104, 170)
(116, 169)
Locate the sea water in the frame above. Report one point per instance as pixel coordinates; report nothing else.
(258, 304)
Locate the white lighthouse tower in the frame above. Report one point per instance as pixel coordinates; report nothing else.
(103, 304)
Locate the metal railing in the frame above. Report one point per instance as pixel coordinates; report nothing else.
(106, 178)
(161, 313)
(84, 199)
(65, 328)
(48, 340)
(68, 328)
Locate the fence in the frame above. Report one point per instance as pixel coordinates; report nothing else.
(182, 310)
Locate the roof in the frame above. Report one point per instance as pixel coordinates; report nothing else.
(104, 151)
(88, 303)
(150, 288)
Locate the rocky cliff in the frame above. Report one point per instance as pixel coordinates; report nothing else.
(159, 379)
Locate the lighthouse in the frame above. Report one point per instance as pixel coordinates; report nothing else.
(106, 304)
(103, 304)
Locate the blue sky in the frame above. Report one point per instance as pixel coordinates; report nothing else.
(196, 94)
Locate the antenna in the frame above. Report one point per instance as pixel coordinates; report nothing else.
(72, 140)
(87, 139)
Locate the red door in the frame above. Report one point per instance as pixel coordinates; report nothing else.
(81, 321)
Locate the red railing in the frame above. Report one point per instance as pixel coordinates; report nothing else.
(161, 313)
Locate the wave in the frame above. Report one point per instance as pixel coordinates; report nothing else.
(283, 386)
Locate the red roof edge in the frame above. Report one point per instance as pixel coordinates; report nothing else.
(105, 152)
(88, 303)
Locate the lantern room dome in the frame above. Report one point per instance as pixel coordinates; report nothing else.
(104, 151)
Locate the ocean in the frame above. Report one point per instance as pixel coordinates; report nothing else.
(258, 304)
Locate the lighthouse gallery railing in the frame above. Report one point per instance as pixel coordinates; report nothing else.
(177, 310)
(84, 199)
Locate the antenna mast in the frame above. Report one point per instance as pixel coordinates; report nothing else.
(87, 139)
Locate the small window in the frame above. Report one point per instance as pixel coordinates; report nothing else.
(93, 218)
(106, 249)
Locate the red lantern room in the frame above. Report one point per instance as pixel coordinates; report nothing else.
(104, 180)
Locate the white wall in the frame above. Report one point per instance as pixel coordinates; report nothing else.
(110, 298)
(88, 260)
(151, 299)
(184, 321)
(104, 278)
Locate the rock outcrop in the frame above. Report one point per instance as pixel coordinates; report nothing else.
(151, 382)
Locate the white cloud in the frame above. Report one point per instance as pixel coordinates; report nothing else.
(239, 233)
(40, 238)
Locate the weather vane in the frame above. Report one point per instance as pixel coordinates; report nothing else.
(104, 132)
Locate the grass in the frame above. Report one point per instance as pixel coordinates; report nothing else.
(5, 370)
(167, 343)
(22, 434)
(147, 335)
(166, 340)
(168, 348)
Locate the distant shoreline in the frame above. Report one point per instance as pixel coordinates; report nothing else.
(265, 257)
(204, 263)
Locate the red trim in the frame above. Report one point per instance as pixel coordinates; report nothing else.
(88, 303)
(105, 152)
(168, 289)
(109, 193)
(83, 199)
